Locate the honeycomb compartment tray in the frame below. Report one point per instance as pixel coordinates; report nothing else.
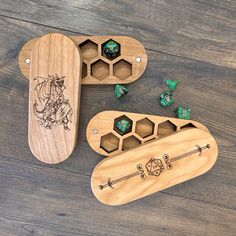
(127, 67)
(105, 139)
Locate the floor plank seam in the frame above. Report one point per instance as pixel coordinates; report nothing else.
(202, 201)
(38, 165)
(148, 49)
(43, 165)
(192, 59)
(36, 23)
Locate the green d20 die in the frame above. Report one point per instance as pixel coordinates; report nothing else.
(120, 90)
(124, 126)
(111, 49)
(166, 99)
(183, 113)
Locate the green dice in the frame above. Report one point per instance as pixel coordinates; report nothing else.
(183, 113)
(124, 126)
(120, 90)
(172, 84)
(111, 49)
(167, 99)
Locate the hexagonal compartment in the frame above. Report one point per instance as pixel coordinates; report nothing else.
(115, 55)
(100, 70)
(166, 128)
(122, 69)
(144, 128)
(130, 142)
(123, 121)
(109, 142)
(89, 50)
(84, 70)
(189, 125)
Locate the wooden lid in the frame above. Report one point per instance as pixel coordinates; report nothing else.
(154, 166)
(54, 97)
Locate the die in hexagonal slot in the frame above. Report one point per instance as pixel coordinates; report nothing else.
(111, 49)
(100, 70)
(130, 142)
(166, 128)
(84, 70)
(189, 125)
(89, 50)
(109, 142)
(122, 69)
(144, 128)
(123, 125)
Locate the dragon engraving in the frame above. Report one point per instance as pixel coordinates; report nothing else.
(51, 107)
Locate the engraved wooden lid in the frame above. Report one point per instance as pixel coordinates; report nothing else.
(54, 97)
(154, 166)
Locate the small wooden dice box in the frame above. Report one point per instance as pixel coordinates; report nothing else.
(155, 154)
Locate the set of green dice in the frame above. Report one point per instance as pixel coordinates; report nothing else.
(167, 99)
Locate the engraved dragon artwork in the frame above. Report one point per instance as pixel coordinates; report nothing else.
(51, 107)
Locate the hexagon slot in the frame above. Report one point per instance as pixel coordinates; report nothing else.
(144, 128)
(122, 69)
(166, 128)
(130, 142)
(111, 49)
(100, 70)
(89, 50)
(84, 70)
(189, 125)
(109, 142)
(123, 125)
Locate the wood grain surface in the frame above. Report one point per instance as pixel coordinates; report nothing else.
(98, 69)
(54, 97)
(193, 41)
(144, 170)
(104, 138)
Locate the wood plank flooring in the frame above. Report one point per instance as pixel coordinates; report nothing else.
(193, 41)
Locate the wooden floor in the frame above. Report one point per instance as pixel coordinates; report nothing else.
(190, 40)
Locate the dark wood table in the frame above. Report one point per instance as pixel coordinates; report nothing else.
(193, 41)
